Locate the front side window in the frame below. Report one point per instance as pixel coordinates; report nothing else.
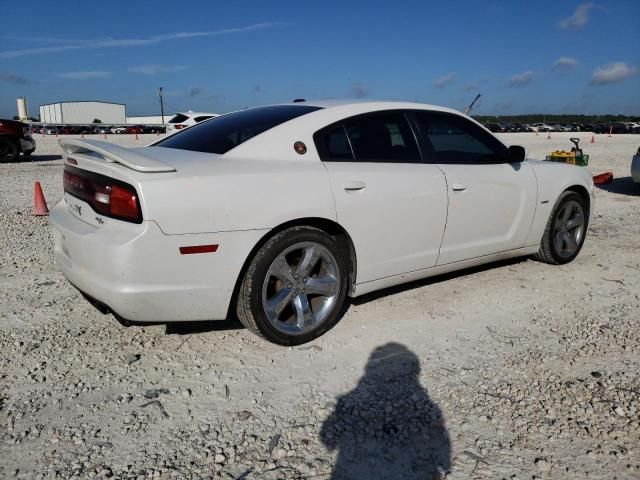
(221, 134)
(372, 137)
(457, 140)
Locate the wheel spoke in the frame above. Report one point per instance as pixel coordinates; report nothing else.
(572, 245)
(576, 221)
(303, 311)
(277, 303)
(326, 286)
(282, 269)
(311, 256)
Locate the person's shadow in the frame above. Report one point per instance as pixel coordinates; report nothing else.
(387, 427)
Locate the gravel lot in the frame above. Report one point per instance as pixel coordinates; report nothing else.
(518, 370)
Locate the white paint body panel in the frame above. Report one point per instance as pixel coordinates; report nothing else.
(491, 208)
(395, 217)
(397, 222)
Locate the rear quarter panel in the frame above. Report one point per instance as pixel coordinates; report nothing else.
(238, 194)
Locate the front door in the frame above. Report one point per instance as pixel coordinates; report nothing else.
(491, 202)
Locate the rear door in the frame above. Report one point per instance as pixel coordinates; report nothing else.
(392, 204)
(491, 201)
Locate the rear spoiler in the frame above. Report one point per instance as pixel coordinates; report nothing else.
(111, 153)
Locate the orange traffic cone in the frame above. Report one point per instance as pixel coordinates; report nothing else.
(593, 139)
(610, 130)
(136, 135)
(548, 135)
(39, 202)
(81, 134)
(105, 135)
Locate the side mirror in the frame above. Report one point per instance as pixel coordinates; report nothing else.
(516, 154)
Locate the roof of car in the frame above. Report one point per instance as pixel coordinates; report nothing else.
(373, 104)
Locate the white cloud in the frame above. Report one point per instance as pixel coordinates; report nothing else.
(521, 79)
(132, 42)
(579, 18)
(565, 64)
(612, 73)
(154, 69)
(84, 75)
(445, 81)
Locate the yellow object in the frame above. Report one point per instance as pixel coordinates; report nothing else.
(562, 153)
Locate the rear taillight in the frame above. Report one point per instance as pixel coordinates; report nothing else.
(178, 127)
(107, 196)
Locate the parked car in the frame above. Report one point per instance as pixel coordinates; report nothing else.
(186, 119)
(635, 168)
(278, 213)
(50, 130)
(15, 138)
(542, 127)
(103, 129)
(120, 129)
(496, 127)
(134, 129)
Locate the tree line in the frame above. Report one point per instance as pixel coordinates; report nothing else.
(556, 119)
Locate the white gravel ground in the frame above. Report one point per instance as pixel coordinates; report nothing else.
(519, 370)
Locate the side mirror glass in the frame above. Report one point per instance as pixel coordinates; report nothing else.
(517, 154)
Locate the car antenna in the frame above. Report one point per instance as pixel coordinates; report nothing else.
(468, 109)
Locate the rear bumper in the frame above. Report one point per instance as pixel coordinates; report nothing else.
(139, 273)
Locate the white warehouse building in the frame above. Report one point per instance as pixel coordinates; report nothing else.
(83, 112)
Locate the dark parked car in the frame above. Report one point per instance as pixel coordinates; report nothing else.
(15, 138)
(496, 127)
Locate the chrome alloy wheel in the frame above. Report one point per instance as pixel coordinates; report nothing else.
(568, 230)
(301, 288)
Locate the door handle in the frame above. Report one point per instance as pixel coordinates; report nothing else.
(354, 186)
(458, 187)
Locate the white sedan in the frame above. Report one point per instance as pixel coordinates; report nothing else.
(276, 214)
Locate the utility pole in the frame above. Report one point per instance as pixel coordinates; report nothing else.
(161, 104)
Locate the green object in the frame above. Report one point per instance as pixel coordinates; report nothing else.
(581, 160)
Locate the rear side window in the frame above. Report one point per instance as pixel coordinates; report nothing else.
(178, 118)
(223, 133)
(374, 137)
(455, 140)
(203, 117)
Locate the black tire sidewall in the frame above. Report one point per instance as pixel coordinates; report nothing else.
(6, 142)
(269, 253)
(566, 197)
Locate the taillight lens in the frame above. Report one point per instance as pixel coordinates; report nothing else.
(178, 127)
(107, 196)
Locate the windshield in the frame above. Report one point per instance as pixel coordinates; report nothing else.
(221, 134)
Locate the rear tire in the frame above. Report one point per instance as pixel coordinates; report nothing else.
(295, 287)
(8, 150)
(565, 231)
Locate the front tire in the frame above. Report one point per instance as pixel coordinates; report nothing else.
(295, 287)
(565, 231)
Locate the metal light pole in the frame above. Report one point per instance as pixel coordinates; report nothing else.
(161, 104)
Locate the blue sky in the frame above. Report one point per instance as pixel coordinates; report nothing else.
(524, 57)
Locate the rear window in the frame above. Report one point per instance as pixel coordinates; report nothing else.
(178, 118)
(223, 133)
